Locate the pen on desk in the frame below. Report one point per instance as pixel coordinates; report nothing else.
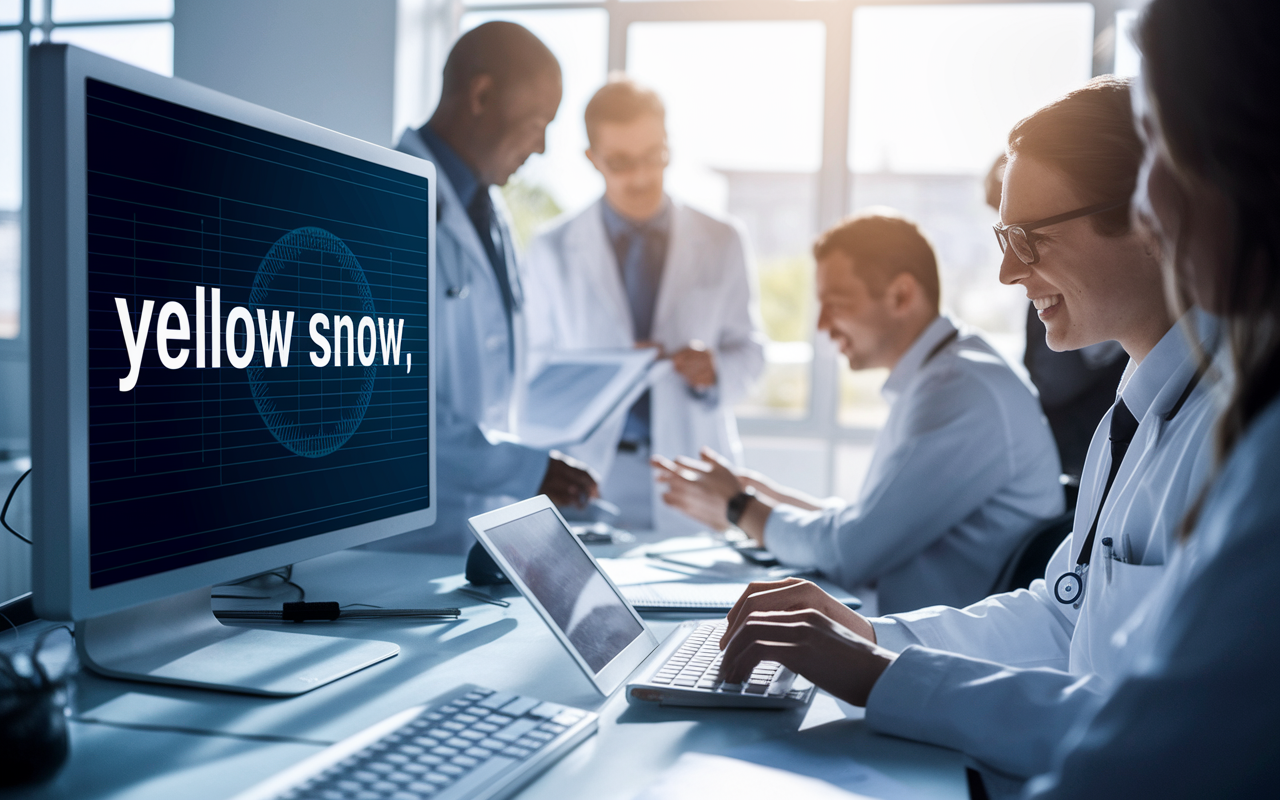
(605, 506)
(483, 597)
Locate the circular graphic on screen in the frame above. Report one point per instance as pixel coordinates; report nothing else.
(312, 410)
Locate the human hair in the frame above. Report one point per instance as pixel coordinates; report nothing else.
(883, 244)
(1088, 136)
(504, 51)
(1211, 71)
(621, 100)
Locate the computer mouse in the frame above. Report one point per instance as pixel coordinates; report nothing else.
(482, 570)
(33, 733)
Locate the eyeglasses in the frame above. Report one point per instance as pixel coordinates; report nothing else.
(1024, 244)
(654, 159)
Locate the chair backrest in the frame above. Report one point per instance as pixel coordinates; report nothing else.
(1032, 555)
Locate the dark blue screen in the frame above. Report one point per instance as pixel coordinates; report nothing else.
(257, 337)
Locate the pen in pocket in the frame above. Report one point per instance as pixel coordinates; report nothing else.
(1108, 556)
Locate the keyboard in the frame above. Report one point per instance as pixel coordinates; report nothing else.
(468, 743)
(696, 665)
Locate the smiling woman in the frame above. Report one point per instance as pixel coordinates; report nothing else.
(1092, 277)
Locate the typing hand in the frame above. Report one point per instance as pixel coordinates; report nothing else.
(811, 644)
(697, 365)
(568, 482)
(701, 489)
(793, 594)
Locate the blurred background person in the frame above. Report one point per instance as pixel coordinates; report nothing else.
(639, 269)
(964, 466)
(501, 89)
(1076, 386)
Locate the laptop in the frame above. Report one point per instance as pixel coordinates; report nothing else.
(534, 547)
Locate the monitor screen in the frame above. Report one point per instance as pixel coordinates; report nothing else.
(257, 337)
(554, 568)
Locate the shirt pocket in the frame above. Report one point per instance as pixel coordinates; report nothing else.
(1121, 593)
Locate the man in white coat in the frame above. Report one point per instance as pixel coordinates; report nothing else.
(501, 90)
(637, 268)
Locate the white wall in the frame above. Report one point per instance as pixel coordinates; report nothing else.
(331, 62)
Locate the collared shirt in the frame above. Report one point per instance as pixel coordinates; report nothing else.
(1007, 677)
(640, 263)
(474, 197)
(641, 250)
(964, 466)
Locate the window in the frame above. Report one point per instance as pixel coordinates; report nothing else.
(933, 99)
(744, 118)
(136, 31)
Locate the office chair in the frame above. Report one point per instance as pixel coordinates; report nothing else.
(1032, 555)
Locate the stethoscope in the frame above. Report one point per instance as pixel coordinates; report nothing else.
(1069, 588)
(459, 285)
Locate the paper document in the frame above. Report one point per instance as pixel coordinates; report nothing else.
(697, 776)
(575, 391)
(802, 755)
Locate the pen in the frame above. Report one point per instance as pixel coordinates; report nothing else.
(1110, 556)
(483, 597)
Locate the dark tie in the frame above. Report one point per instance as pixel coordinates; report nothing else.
(1123, 427)
(641, 277)
(482, 217)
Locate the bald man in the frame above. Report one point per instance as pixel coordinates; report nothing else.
(501, 90)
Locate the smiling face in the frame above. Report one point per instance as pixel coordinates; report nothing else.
(861, 325)
(1087, 288)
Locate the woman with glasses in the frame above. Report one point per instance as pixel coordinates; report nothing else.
(1196, 714)
(1004, 679)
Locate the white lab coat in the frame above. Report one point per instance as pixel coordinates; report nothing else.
(479, 463)
(1196, 713)
(577, 300)
(1005, 678)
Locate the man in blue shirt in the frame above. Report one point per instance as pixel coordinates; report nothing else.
(501, 89)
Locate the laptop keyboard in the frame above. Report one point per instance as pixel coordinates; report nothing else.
(696, 665)
(468, 743)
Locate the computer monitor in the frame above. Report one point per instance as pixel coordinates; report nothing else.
(232, 318)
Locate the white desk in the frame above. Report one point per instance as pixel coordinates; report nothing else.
(504, 648)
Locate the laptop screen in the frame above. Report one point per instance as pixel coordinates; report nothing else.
(560, 574)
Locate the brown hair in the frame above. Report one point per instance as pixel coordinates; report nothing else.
(1088, 135)
(1211, 70)
(621, 100)
(883, 244)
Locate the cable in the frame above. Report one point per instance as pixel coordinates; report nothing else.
(4, 511)
(253, 737)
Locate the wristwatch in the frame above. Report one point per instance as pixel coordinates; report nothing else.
(738, 504)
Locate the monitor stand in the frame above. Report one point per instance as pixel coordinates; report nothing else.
(178, 641)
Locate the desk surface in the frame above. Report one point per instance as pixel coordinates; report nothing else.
(124, 745)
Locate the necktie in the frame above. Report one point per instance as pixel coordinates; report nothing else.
(482, 217)
(641, 273)
(1123, 427)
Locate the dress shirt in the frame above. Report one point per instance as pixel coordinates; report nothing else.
(641, 250)
(964, 466)
(1004, 679)
(475, 198)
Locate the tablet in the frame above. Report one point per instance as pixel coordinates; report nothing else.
(534, 547)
